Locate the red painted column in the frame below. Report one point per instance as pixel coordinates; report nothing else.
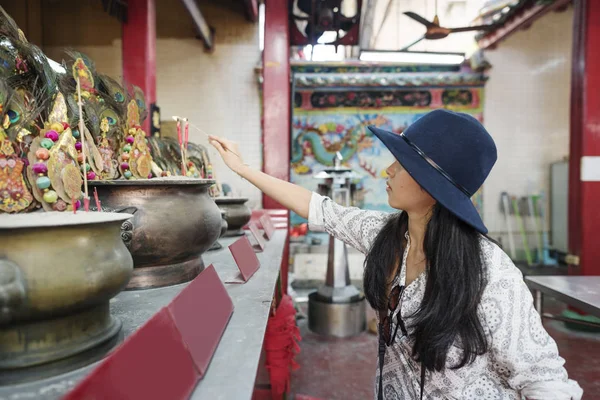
(139, 50)
(276, 94)
(436, 98)
(584, 159)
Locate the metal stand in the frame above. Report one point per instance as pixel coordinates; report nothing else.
(337, 308)
(538, 301)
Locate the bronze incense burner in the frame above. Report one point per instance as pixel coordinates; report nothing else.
(58, 272)
(175, 221)
(237, 213)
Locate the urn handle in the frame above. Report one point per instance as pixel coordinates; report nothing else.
(127, 226)
(12, 290)
(224, 224)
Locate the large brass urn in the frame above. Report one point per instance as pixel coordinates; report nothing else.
(58, 272)
(175, 221)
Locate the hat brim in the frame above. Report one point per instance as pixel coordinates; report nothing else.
(440, 188)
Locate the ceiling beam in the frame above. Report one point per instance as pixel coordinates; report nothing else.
(521, 20)
(116, 8)
(206, 32)
(251, 10)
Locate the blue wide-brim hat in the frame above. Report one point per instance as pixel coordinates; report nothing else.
(449, 154)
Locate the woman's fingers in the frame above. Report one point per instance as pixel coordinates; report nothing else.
(217, 145)
(231, 160)
(224, 143)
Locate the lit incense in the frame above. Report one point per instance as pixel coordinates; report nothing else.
(178, 129)
(180, 140)
(185, 144)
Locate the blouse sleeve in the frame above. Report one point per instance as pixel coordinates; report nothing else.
(523, 352)
(357, 228)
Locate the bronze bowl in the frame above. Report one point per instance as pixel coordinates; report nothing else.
(58, 272)
(175, 221)
(237, 213)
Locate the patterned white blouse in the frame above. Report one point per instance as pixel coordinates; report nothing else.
(523, 360)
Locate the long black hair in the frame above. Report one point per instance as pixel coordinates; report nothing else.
(455, 283)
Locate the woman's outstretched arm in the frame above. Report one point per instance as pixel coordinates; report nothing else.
(293, 197)
(356, 227)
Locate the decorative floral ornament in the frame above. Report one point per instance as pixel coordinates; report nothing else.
(86, 78)
(21, 65)
(54, 162)
(14, 195)
(192, 171)
(94, 162)
(135, 158)
(109, 170)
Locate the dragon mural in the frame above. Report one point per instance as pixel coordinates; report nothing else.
(332, 110)
(313, 140)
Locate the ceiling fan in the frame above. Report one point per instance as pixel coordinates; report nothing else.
(323, 16)
(435, 31)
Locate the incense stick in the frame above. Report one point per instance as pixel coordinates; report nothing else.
(219, 186)
(185, 144)
(187, 131)
(98, 205)
(82, 136)
(208, 136)
(180, 140)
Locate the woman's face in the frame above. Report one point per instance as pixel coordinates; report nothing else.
(404, 193)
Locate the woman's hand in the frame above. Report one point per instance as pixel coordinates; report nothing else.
(228, 151)
(293, 197)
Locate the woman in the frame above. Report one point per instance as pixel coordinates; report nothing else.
(456, 320)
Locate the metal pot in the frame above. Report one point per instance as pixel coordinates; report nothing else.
(237, 213)
(58, 272)
(175, 221)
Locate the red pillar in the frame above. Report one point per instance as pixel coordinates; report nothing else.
(584, 159)
(139, 50)
(276, 94)
(436, 98)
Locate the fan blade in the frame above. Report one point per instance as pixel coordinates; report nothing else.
(299, 18)
(405, 48)
(306, 6)
(470, 28)
(420, 19)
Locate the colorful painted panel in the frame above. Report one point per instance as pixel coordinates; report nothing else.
(352, 67)
(329, 121)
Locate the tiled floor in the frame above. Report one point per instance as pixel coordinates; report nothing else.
(335, 368)
(332, 369)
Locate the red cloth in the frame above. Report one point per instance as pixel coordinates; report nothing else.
(281, 346)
